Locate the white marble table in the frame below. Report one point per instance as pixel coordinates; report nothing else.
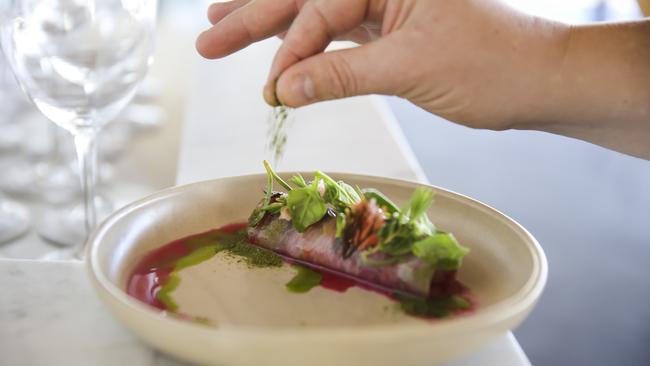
(49, 315)
(48, 311)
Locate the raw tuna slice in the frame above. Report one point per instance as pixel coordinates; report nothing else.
(319, 247)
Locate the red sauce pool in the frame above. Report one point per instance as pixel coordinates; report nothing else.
(153, 270)
(151, 273)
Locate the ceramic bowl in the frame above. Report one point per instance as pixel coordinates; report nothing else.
(256, 321)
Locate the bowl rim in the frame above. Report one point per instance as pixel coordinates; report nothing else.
(490, 316)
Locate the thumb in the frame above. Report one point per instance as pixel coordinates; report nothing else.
(367, 69)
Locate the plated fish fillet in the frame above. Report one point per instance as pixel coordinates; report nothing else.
(359, 233)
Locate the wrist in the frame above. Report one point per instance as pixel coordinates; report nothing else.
(598, 90)
(542, 75)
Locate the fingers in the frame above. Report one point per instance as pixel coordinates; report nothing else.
(251, 22)
(367, 69)
(358, 35)
(317, 24)
(218, 11)
(312, 25)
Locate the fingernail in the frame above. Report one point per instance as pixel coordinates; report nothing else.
(308, 89)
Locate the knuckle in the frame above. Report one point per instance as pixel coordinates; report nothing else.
(249, 20)
(343, 80)
(316, 8)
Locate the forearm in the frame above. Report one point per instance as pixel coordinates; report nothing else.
(600, 91)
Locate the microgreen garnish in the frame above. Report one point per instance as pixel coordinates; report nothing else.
(383, 201)
(441, 249)
(306, 206)
(367, 221)
(275, 176)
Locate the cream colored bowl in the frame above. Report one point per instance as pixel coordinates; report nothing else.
(258, 322)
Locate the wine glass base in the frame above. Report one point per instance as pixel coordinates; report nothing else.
(14, 221)
(65, 226)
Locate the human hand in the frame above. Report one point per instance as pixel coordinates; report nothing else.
(475, 62)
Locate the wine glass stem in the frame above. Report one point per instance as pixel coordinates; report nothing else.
(85, 144)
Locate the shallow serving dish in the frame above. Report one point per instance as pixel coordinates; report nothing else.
(256, 321)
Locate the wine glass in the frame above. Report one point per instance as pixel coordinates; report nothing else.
(80, 61)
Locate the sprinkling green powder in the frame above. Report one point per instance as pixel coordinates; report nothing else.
(279, 121)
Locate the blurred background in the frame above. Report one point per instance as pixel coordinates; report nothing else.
(588, 207)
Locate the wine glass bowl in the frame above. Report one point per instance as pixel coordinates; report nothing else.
(80, 62)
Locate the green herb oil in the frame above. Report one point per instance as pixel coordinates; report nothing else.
(206, 247)
(436, 307)
(304, 280)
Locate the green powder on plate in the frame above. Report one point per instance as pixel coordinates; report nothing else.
(254, 256)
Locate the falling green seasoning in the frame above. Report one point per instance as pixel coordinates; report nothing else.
(279, 120)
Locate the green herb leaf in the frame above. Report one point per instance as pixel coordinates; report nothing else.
(331, 194)
(396, 237)
(441, 250)
(306, 207)
(298, 181)
(382, 201)
(423, 226)
(420, 202)
(399, 245)
(273, 207)
(340, 224)
(339, 194)
(275, 176)
(368, 261)
(349, 192)
(258, 214)
(304, 280)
